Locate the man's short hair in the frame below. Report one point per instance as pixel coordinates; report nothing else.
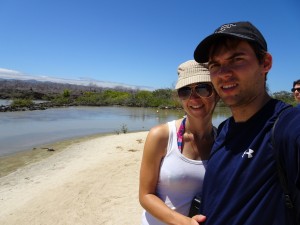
(296, 82)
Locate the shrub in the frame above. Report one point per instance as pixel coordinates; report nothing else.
(22, 103)
(124, 128)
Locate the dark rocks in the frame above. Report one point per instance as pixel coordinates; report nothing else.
(36, 106)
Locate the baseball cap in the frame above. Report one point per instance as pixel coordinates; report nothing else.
(241, 30)
(191, 72)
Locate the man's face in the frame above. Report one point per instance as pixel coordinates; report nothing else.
(236, 74)
(297, 93)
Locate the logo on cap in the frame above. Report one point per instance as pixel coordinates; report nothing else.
(225, 27)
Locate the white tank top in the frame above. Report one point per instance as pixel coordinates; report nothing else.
(180, 179)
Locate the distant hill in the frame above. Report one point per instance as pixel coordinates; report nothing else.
(13, 88)
(8, 74)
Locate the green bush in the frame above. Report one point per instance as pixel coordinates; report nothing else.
(61, 101)
(21, 102)
(67, 93)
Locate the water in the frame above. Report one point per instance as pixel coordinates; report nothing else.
(7, 102)
(27, 129)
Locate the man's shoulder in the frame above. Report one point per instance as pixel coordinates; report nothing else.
(279, 105)
(287, 127)
(278, 108)
(290, 114)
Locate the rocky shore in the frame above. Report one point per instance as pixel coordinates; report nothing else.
(36, 106)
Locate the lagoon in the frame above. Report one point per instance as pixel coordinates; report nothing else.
(25, 130)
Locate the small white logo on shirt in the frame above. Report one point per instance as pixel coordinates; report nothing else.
(248, 153)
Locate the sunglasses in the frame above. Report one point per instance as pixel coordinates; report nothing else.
(294, 89)
(203, 90)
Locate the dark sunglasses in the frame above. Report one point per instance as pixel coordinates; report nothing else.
(294, 89)
(203, 90)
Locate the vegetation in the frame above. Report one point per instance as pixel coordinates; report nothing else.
(285, 97)
(66, 95)
(22, 103)
(62, 99)
(162, 98)
(123, 129)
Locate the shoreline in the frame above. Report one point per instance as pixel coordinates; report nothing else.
(91, 181)
(12, 162)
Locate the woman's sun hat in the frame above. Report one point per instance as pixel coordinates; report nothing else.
(191, 72)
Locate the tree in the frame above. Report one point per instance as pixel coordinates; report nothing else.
(66, 93)
(285, 97)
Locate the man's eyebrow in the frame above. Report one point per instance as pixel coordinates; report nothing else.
(235, 54)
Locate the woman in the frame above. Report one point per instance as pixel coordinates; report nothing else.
(174, 158)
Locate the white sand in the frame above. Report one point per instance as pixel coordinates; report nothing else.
(91, 182)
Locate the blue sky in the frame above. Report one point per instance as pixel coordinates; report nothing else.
(136, 42)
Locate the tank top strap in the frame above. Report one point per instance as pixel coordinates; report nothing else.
(180, 133)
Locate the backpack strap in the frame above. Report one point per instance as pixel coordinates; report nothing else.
(281, 171)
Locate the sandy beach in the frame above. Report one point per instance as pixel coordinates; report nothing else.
(93, 181)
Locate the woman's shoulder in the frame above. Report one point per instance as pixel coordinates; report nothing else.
(160, 131)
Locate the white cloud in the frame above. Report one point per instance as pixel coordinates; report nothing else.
(12, 74)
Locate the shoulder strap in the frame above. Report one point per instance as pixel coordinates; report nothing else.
(282, 173)
(180, 133)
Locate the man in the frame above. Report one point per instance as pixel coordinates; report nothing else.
(296, 91)
(241, 184)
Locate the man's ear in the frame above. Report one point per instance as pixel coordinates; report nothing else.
(267, 64)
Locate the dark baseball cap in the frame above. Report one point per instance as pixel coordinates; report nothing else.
(241, 30)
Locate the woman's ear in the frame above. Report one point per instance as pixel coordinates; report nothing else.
(267, 64)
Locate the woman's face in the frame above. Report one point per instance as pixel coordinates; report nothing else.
(198, 99)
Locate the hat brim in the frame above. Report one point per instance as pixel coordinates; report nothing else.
(201, 53)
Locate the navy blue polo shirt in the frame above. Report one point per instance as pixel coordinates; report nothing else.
(241, 184)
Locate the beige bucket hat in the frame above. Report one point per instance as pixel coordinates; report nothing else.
(191, 72)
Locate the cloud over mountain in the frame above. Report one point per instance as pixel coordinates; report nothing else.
(12, 74)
